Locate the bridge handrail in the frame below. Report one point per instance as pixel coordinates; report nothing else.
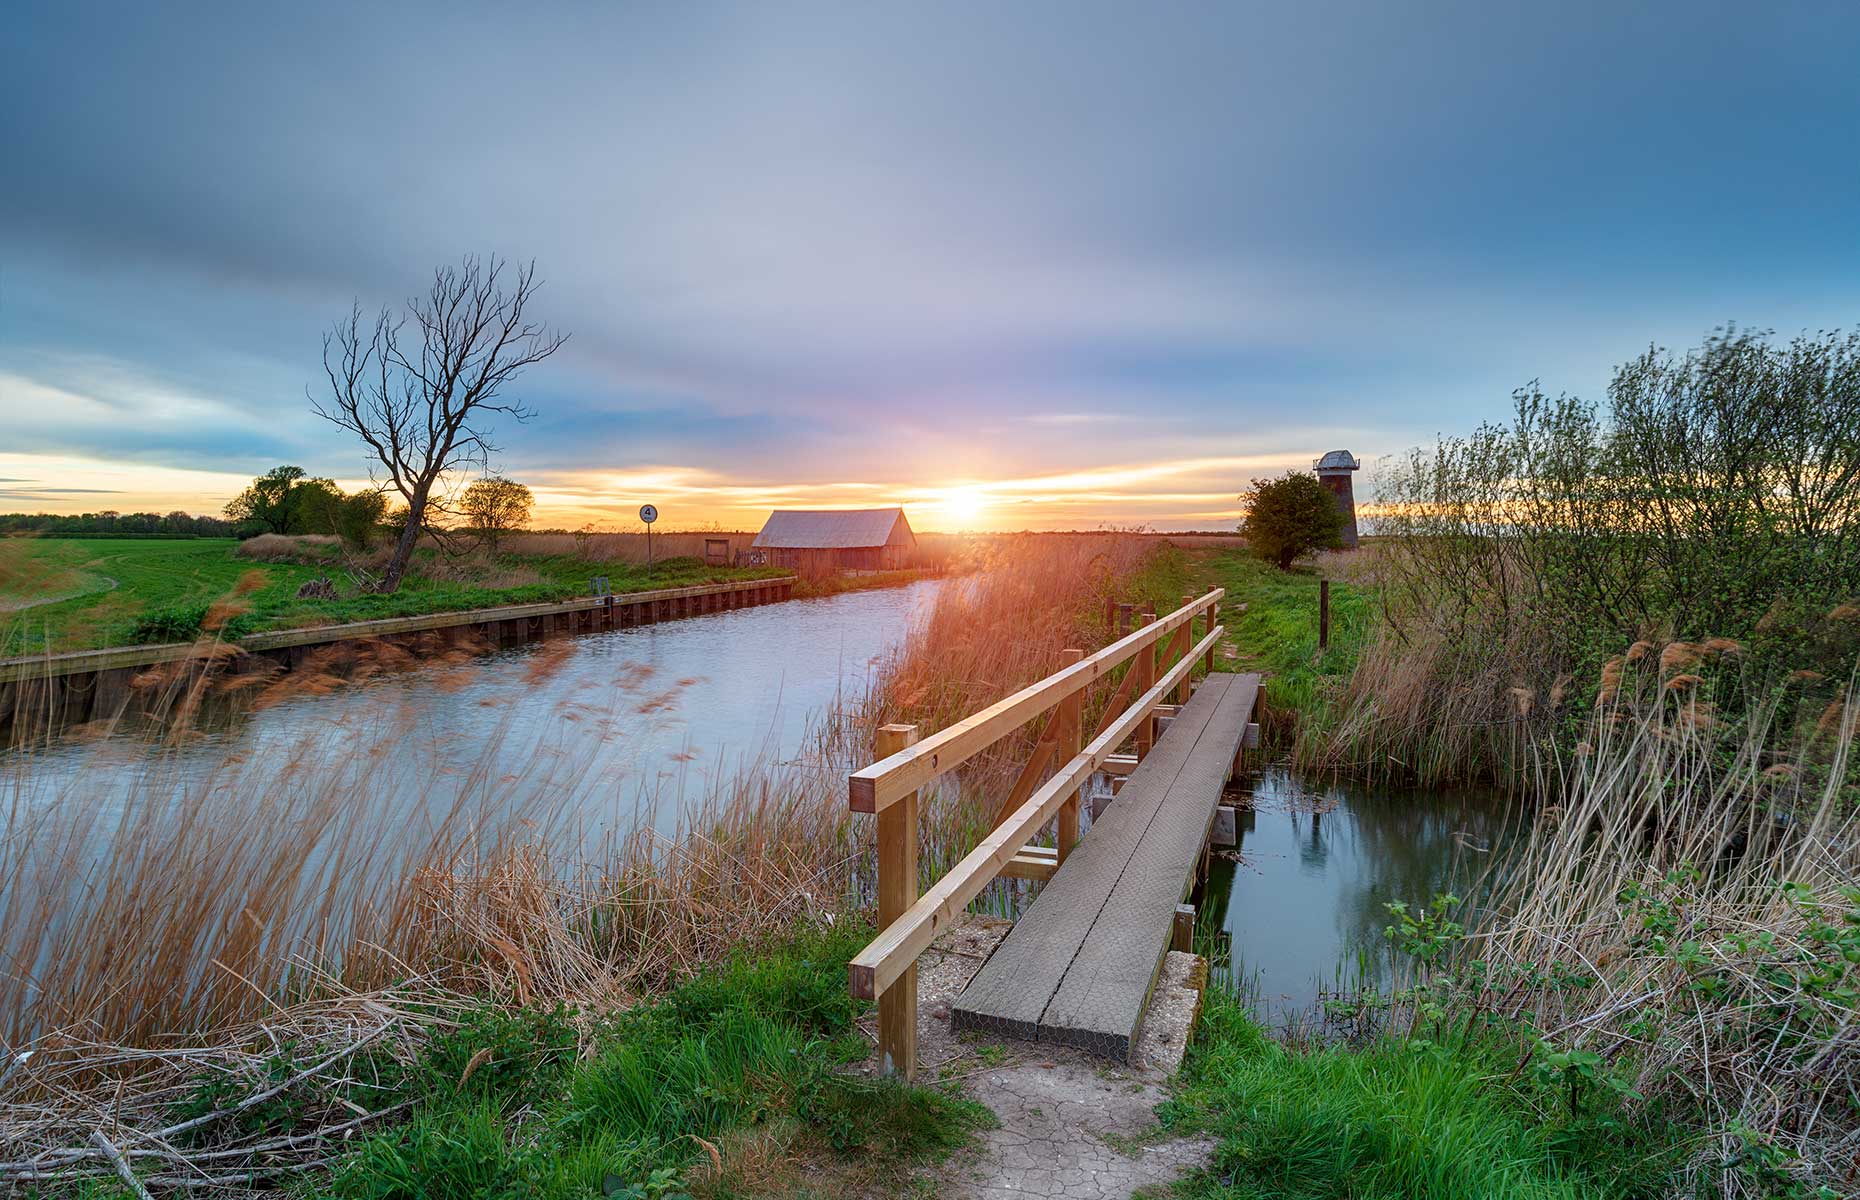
(879, 965)
(879, 785)
(885, 970)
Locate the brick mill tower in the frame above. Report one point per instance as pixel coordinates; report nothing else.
(1334, 471)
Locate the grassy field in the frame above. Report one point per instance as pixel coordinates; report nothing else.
(1277, 635)
(83, 593)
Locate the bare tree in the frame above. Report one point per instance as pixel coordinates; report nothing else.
(422, 402)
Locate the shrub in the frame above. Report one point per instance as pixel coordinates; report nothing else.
(277, 547)
(1715, 495)
(1290, 517)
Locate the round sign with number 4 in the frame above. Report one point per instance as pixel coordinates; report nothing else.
(648, 513)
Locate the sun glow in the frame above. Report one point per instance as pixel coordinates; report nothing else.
(964, 504)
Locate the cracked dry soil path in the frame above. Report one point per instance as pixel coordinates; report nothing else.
(1071, 1124)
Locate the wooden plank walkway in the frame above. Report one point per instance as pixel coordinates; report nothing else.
(1079, 965)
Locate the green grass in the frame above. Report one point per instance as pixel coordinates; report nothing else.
(164, 589)
(748, 1057)
(1402, 1119)
(1278, 632)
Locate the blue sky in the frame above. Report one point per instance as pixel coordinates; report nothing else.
(1071, 264)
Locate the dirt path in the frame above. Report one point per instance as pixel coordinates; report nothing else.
(1072, 1124)
(17, 606)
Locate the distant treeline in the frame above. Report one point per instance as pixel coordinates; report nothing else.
(114, 524)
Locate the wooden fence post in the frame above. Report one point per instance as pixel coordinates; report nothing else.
(897, 891)
(1323, 614)
(1071, 739)
(1145, 665)
(1123, 620)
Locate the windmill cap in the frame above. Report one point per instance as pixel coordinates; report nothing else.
(1338, 460)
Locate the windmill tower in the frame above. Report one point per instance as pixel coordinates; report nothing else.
(1333, 470)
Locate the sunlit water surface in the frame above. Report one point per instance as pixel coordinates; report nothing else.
(625, 725)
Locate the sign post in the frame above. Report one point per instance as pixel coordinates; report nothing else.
(648, 513)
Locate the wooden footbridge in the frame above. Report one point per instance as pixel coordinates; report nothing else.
(1079, 966)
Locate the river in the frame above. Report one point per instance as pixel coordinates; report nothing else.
(627, 727)
(629, 722)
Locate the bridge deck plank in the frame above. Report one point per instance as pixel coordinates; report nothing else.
(1078, 966)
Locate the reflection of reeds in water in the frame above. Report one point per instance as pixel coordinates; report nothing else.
(211, 908)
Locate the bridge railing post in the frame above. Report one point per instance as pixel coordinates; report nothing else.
(1214, 614)
(1185, 638)
(897, 891)
(1070, 740)
(1145, 666)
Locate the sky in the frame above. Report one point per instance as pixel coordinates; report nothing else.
(1028, 265)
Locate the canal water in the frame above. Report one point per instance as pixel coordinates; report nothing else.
(630, 724)
(1302, 898)
(629, 727)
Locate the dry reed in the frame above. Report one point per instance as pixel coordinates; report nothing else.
(1687, 910)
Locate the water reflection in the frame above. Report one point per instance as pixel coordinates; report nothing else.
(642, 718)
(1304, 905)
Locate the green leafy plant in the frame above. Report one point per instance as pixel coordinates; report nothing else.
(1290, 517)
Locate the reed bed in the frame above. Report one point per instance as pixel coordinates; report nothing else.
(1687, 912)
(224, 908)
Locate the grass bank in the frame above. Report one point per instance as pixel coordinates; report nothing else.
(85, 593)
(735, 1082)
(1272, 622)
(1458, 1115)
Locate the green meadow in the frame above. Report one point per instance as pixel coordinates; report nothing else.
(59, 594)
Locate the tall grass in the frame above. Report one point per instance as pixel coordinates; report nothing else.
(192, 920)
(1688, 912)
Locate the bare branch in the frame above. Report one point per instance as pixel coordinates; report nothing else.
(422, 405)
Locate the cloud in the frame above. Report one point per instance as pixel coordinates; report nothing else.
(910, 245)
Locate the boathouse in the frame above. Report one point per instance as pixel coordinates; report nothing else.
(825, 541)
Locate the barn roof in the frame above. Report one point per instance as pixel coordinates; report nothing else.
(830, 529)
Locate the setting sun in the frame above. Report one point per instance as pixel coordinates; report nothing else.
(964, 504)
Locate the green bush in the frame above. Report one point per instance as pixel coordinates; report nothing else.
(184, 623)
(1290, 517)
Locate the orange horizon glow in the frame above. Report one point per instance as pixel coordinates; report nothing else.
(1180, 493)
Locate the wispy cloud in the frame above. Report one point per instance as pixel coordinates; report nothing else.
(819, 253)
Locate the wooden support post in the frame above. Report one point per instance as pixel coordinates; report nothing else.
(897, 891)
(1186, 638)
(1214, 613)
(1123, 619)
(1182, 931)
(1145, 665)
(1323, 614)
(1069, 740)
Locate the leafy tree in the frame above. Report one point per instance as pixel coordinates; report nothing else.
(355, 518)
(496, 504)
(270, 505)
(1290, 517)
(422, 398)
